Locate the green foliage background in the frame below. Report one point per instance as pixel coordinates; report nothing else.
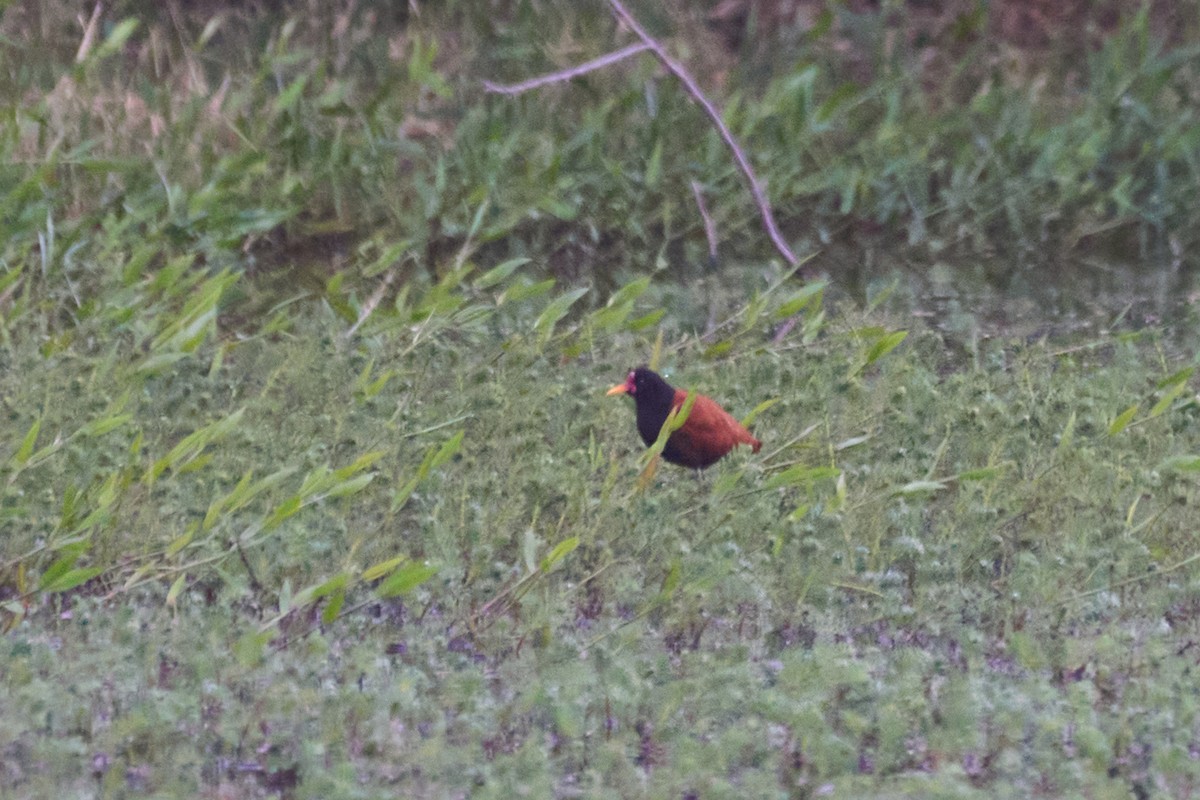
(308, 486)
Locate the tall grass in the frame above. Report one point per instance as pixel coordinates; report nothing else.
(357, 140)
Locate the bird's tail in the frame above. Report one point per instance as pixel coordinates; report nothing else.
(743, 436)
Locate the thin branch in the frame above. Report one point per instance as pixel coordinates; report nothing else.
(783, 330)
(90, 30)
(373, 301)
(567, 74)
(689, 83)
(710, 233)
(710, 227)
(1131, 580)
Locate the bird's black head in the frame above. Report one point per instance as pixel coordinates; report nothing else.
(653, 397)
(645, 385)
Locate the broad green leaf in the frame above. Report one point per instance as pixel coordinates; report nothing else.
(102, 426)
(377, 571)
(647, 321)
(885, 346)
(285, 509)
(558, 208)
(61, 566)
(853, 441)
(671, 580)
(874, 301)
(523, 291)
(611, 318)
(318, 479)
(1179, 377)
(1123, 419)
(455, 277)
(219, 503)
(657, 351)
(1168, 398)
(349, 487)
(1181, 463)
(181, 541)
(840, 492)
(116, 38)
(529, 546)
(836, 99)
(288, 98)
(70, 579)
(176, 588)
(753, 313)
(646, 476)
(334, 584)
(499, 272)
(26, 449)
(982, 474)
(157, 361)
(404, 493)
(629, 292)
(191, 326)
(1132, 510)
(678, 417)
(193, 445)
(1067, 437)
(194, 464)
(249, 648)
(334, 606)
(287, 601)
(98, 517)
(137, 575)
(376, 386)
(801, 474)
(560, 551)
(72, 547)
(798, 300)
(748, 420)
(447, 450)
(243, 494)
(718, 349)
(555, 310)
(654, 165)
(405, 579)
(70, 503)
(918, 487)
(477, 219)
(210, 30)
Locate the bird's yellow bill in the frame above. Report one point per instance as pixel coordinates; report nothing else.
(620, 388)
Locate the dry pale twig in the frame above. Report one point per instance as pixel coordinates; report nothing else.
(710, 233)
(689, 83)
(567, 74)
(90, 30)
(710, 227)
(783, 330)
(372, 302)
(648, 42)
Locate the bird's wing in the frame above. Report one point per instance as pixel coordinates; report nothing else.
(710, 432)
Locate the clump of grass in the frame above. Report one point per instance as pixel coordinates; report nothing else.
(264, 144)
(916, 548)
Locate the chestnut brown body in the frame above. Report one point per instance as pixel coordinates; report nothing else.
(706, 437)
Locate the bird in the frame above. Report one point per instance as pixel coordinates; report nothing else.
(705, 438)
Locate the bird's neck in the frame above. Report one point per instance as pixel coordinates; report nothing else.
(652, 412)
